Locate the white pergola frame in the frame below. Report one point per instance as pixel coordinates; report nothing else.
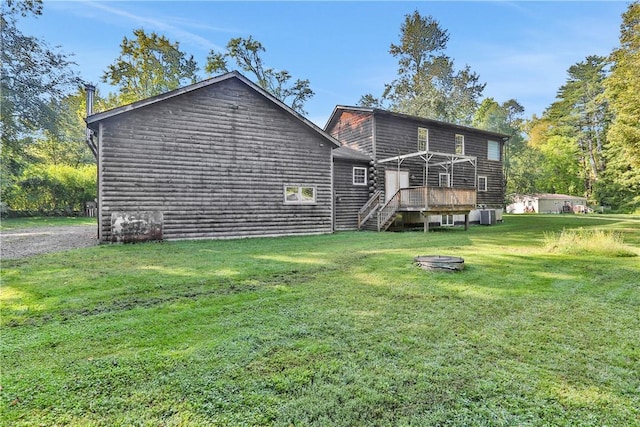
(428, 156)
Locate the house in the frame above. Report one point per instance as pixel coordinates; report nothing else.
(547, 203)
(352, 186)
(220, 158)
(423, 171)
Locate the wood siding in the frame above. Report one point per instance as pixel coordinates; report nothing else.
(215, 162)
(398, 134)
(349, 197)
(355, 130)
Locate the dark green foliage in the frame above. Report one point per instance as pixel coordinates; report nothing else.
(52, 190)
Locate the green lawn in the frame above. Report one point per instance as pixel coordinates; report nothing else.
(53, 221)
(326, 330)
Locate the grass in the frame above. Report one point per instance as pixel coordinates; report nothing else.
(25, 222)
(337, 329)
(585, 241)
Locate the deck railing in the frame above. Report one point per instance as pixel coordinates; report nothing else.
(369, 208)
(430, 198)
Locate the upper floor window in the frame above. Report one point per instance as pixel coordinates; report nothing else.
(359, 176)
(299, 194)
(482, 183)
(459, 144)
(445, 180)
(493, 150)
(423, 139)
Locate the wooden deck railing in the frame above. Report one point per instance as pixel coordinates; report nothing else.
(437, 198)
(369, 208)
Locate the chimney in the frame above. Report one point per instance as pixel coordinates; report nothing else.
(91, 90)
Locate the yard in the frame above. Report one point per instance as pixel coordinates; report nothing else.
(338, 329)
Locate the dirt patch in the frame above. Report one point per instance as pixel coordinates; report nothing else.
(26, 242)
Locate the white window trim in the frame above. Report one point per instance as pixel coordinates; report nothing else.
(444, 222)
(448, 179)
(300, 200)
(489, 142)
(455, 147)
(426, 141)
(486, 183)
(354, 176)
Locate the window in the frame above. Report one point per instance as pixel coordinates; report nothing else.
(493, 150)
(447, 221)
(299, 194)
(459, 144)
(423, 139)
(445, 180)
(359, 176)
(482, 183)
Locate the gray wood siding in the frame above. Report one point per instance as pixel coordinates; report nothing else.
(349, 198)
(355, 129)
(398, 135)
(215, 161)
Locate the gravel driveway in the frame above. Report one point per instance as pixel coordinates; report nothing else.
(25, 242)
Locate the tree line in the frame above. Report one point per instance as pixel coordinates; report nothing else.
(587, 142)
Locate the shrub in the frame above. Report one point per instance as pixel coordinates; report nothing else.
(593, 242)
(52, 190)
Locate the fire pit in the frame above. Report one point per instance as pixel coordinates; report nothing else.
(440, 263)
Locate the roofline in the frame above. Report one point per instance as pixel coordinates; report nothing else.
(98, 117)
(340, 108)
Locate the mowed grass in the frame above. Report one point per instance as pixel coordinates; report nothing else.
(27, 222)
(340, 330)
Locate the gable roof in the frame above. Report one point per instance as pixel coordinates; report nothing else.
(339, 109)
(94, 119)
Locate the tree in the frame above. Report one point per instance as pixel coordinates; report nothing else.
(34, 77)
(246, 53)
(507, 118)
(149, 65)
(428, 84)
(64, 143)
(623, 90)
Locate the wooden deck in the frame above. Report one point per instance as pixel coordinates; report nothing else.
(428, 201)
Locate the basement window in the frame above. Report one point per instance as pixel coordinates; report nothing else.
(299, 194)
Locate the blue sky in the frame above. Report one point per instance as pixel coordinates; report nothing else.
(520, 49)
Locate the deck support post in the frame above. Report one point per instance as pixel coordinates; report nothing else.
(425, 218)
(466, 221)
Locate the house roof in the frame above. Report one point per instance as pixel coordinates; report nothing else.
(348, 153)
(339, 109)
(94, 119)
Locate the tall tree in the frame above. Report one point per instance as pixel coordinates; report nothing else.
(246, 53)
(623, 91)
(148, 65)
(428, 84)
(34, 76)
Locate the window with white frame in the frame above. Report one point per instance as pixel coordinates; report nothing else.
(423, 139)
(445, 180)
(299, 194)
(359, 176)
(459, 144)
(482, 183)
(493, 150)
(447, 221)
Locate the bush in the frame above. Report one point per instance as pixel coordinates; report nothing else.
(591, 242)
(52, 190)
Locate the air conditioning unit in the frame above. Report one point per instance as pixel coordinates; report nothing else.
(487, 217)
